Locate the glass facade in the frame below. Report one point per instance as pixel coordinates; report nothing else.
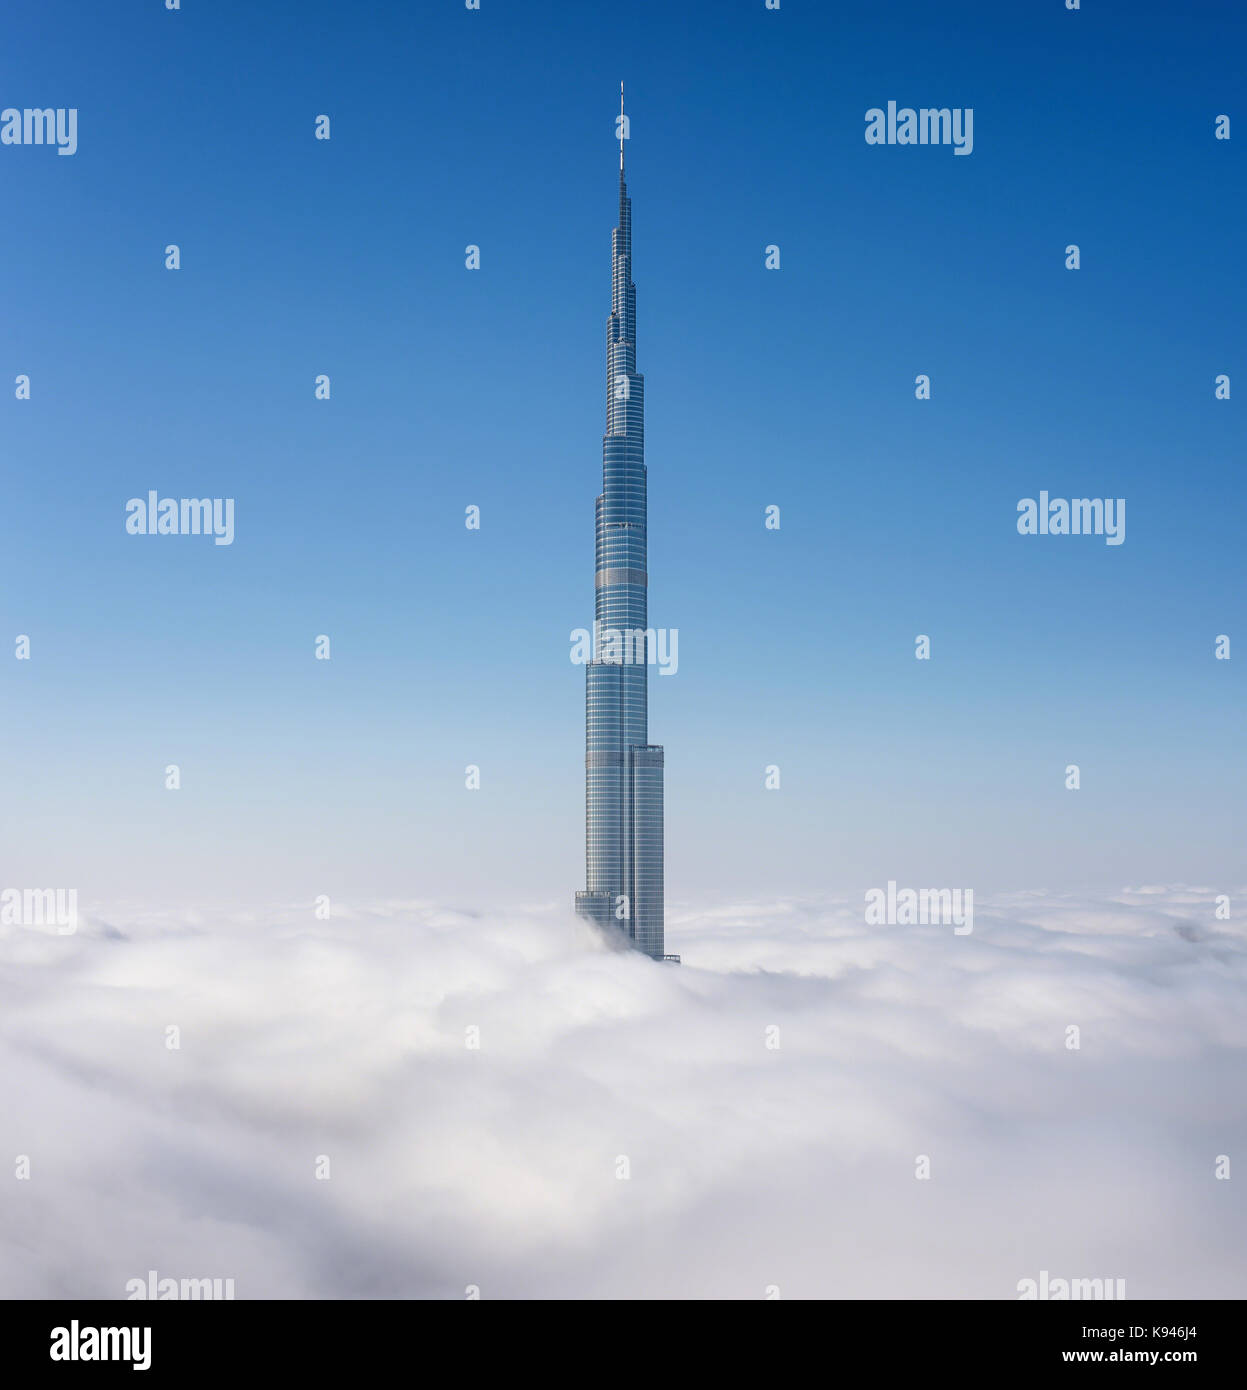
(623, 770)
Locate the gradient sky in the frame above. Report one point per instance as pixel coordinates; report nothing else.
(453, 387)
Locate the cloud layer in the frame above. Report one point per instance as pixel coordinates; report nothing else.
(769, 1099)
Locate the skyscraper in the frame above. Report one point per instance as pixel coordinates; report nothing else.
(623, 770)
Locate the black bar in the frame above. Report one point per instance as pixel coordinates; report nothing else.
(324, 1339)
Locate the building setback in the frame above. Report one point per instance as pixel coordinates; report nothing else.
(623, 770)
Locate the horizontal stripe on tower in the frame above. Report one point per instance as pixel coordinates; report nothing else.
(604, 577)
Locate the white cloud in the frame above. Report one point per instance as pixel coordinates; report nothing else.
(749, 1166)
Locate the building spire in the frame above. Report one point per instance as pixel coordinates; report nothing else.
(621, 131)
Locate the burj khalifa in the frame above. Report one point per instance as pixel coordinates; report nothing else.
(623, 770)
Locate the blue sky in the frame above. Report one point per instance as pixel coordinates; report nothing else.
(452, 387)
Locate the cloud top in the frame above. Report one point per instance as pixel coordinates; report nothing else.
(477, 1086)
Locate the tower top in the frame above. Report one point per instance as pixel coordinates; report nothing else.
(621, 130)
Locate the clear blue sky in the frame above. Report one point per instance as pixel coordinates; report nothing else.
(453, 387)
